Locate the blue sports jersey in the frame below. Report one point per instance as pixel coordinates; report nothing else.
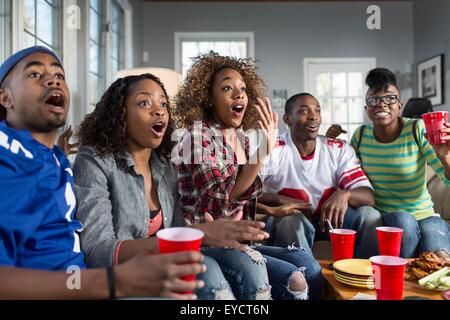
(38, 229)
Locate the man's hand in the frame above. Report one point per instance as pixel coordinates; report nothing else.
(335, 209)
(289, 209)
(63, 142)
(334, 131)
(159, 275)
(231, 233)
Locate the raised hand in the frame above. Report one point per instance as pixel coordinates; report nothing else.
(334, 131)
(268, 123)
(63, 142)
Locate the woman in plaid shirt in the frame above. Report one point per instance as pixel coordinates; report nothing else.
(218, 171)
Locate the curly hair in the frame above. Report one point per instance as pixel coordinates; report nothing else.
(105, 128)
(193, 101)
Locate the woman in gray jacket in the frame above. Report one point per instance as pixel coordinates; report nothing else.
(126, 187)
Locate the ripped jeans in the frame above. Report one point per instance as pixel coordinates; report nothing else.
(216, 286)
(429, 234)
(265, 270)
(247, 278)
(283, 262)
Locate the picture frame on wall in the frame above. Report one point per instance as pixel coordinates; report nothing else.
(430, 79)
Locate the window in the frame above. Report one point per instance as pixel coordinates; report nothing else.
(190, 45)
(107, 46)
(5, 40)
(339, 86)
(91, 55)
(96, 51)
(117, 38)
(42, 24)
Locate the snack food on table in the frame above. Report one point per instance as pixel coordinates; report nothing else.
(427, 263)
(439, 280)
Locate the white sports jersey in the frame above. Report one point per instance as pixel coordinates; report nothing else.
(315, 178)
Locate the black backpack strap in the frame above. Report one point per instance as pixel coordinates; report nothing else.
(361, 132)
(414, 125)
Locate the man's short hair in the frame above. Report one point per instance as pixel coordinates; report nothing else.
(290, 103)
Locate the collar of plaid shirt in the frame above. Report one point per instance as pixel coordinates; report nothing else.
(228, 150)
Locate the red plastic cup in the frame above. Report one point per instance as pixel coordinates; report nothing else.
(389, 241)
(388, 272)
(342, 243)
(434, 123)
(172, 240)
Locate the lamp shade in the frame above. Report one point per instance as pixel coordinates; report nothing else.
(170, 78)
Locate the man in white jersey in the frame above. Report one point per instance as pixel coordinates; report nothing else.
(309, 178)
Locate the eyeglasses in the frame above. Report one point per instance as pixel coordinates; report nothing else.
(375, 100)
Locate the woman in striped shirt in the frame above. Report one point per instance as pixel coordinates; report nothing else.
(394, 152)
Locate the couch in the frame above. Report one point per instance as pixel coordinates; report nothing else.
(439, 194)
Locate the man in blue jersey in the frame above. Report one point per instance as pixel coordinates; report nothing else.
(39, 246)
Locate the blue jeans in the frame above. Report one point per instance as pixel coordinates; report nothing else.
(216, 286)
(298, 230)
(430, 234)
(246, 275)
(294, 230)
(283, 262)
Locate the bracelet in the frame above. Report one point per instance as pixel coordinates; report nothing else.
(111, 282)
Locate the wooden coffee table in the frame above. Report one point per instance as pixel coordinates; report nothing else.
(336, 290)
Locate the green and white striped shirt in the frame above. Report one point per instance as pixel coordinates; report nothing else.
(396, 169)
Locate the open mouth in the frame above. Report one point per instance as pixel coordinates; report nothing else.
(238, 110)
(56, 100)
(312, 127)
(381, 114)
(159, 129)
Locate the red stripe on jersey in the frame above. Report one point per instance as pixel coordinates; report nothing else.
(356, 181)
(295, 193)
(350, 171)
(346, 181)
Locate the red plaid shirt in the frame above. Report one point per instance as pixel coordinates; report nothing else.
(207, 175)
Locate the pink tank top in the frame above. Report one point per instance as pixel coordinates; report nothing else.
(155, 223)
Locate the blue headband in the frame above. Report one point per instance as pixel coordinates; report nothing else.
(13, 60)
